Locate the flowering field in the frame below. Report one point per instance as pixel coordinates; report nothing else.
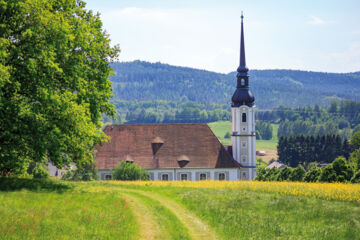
(179, 210)
(329, 191)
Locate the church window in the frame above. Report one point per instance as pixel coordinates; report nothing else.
(243, 144)
(165, 177)
(221, 176)
(183, 177)
(244, 117)
(107, 177)
(242, 82)
(243, 158)
(202, 176)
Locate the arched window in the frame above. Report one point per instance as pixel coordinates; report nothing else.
(242, 82)
(202, 176)
(244, 117)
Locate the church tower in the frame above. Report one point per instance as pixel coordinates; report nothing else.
(243, 119)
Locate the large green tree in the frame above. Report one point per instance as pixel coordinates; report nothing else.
(54, 82)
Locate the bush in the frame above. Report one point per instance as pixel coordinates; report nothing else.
(285, 174)
(260, 174)
(356, 177)
(328, 174)
(313, 175)
(338, 171)
(129, 171)
(16, 184)
(40, 173)
(85, 172)
(297, 174)
(343, 171)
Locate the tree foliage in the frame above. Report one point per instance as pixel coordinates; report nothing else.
(295, 150)
(54, 82)
(355, 140)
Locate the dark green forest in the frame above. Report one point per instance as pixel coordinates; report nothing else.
(144, 81)
(303, 103)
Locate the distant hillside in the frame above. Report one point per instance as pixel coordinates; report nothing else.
(156, 81)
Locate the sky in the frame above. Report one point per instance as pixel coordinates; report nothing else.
(312, 35)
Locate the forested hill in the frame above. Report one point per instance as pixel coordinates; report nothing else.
(140, 80)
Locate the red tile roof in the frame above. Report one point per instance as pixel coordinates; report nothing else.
(162, 145)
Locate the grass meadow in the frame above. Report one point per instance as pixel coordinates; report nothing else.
(158, 210)
(222, 127)
(70, 214)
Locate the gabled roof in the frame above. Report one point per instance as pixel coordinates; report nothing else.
(195, 141)
(277, 165)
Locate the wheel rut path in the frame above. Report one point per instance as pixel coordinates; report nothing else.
(148, 227)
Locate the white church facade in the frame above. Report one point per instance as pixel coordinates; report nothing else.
(188, 151)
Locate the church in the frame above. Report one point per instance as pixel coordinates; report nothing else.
(177, 152)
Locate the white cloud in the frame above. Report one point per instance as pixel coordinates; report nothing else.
(316, 21)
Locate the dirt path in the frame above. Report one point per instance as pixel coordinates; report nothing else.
(148, 227)
(197, 229)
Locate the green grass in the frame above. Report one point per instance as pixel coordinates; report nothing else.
(253, 215)
(222, 127)
(266, 144)
(101, 210)
(68, 215)
(169, 224)
(241, 214)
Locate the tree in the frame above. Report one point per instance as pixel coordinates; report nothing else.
(356, 177)
(129, 171)
(354, 160)
(355, 140)
(54, 83)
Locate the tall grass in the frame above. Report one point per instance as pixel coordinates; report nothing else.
(329, 191)
(67, 215)
(266, 211)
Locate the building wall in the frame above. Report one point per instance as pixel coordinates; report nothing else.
(231, 174)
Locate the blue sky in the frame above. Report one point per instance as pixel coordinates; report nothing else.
(317, 35)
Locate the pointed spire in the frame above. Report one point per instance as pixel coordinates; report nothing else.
(242, 94)
(242, 67)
